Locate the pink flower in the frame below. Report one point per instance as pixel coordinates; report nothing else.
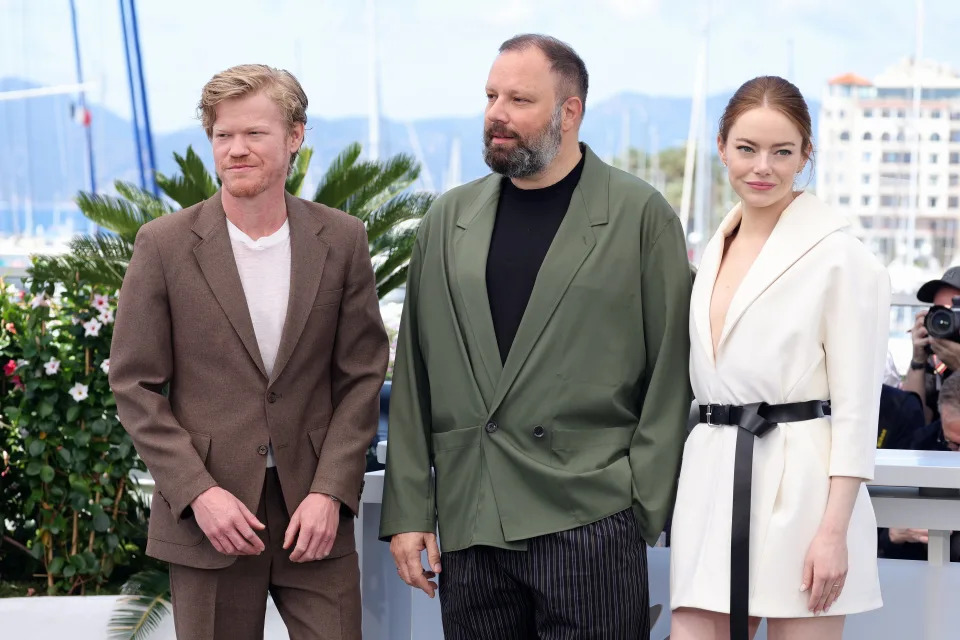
(11, 328)
(52, 366)
(106, 316)
(92, 327)
(39, 301)
(17, 383)
(78, 391)
(105, 366)
(101, 302)
(9, 368)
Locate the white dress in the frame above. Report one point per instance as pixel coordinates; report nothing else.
(809, 321)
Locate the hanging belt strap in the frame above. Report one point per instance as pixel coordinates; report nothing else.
(755, 421)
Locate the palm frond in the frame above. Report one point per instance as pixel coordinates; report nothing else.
(115, 214)
(397, 246)
(386, 180)
(328, 191)
(193, 186)
(398, 278)
(295, 181)
(340, 189)
(142, 608)
(150, 205)
(399, 209)
(69, 268)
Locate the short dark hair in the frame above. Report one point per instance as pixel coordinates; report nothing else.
(950, 393)
(564, 61)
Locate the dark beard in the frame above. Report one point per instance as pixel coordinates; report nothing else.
(528, 157)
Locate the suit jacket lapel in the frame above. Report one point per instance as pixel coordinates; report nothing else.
(307, 255)
(471, 244)
(803, 224)
(215, 255)
(574, 241)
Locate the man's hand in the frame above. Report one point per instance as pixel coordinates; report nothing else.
(227, 523)
(899, 536)
(920, 338)
(948, 351)
(317, 519)
(406, 549)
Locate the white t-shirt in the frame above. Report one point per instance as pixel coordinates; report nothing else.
(264, 267)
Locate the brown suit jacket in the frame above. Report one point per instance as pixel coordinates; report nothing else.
(183, 325)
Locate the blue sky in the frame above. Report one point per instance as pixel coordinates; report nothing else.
(434, 54)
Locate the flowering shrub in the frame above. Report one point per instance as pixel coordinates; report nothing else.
(63, 440)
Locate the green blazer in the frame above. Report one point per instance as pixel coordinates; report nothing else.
(587, 415)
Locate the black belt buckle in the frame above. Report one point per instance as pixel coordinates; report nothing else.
(720, 412)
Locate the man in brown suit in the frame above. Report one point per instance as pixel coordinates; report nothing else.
(247, 360)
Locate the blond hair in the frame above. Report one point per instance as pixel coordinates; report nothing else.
(249, 79)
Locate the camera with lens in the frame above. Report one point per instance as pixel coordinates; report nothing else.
(944, 322)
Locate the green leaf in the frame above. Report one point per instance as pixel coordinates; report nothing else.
(73, 413)
(34, 467)
(13, 413)
(143, 608)
(69, 571)
(98, 427)
(82, 438)
(47, 473)
(45, 409)
(56, 566)
(36, 448)
(65, 454)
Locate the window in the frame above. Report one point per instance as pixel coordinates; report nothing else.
(867, 156)
(885, 113)
(953, 202)
(841, 113)
(896, 156)
(954, 157)
(954, 180)
(866, 178)
(932, 179)
(901, 137)
(955, 115)
(932, 202)
(901, 113)
(844, 135)
(843, 200)
(868, 136)
(935, 114)
(885, 137)
(865, 201)
(955, 136)
(868, 113)
(933, 158)
(888, 201)
(934, 137)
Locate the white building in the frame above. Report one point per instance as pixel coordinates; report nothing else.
(867, 158)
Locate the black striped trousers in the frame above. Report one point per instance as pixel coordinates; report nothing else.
(588, 583)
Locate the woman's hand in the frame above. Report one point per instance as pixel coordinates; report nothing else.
(825, 569)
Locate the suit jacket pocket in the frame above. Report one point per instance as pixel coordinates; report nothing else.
(317, 436)
(591, 448)
(329, 297)
(163, 522)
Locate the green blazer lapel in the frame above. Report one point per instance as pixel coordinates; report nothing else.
(471, 244)
(574, 241)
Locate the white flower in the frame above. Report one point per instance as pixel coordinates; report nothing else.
(22, 363)
(101, 302)
(52, 366)
(105, 366)
(92, 327)
(106, 316)
(79, 392)
(75, 320)
(39, 301)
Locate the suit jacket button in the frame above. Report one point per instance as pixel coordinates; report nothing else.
(262, 449)
(272, 397)
(491, 427)
(538, 431)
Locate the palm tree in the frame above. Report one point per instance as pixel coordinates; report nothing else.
(375, 192)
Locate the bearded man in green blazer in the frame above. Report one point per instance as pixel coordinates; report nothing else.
(541, 373)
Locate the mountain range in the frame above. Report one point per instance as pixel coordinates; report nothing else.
(43, 150)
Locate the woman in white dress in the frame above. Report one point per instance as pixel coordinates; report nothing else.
(772, 519)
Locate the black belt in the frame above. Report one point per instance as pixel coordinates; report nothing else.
(755, 420)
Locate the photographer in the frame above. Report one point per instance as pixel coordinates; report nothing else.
(943, 435)
(934, 359)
